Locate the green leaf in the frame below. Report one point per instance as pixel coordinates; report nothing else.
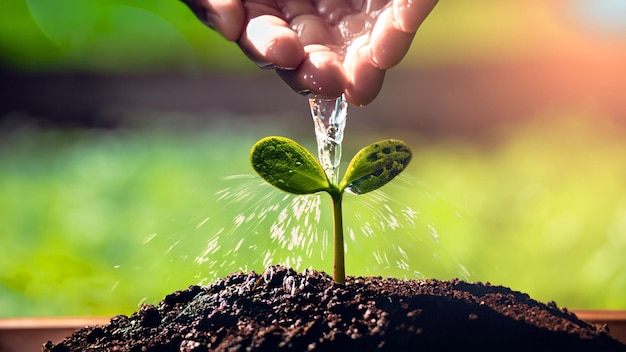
(288, 166)
(67, 23)
(375, 165)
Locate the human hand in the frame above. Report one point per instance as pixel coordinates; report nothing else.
(320, 47)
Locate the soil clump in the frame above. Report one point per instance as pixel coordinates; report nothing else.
(284, 310)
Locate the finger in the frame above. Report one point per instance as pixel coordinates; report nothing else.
(409, 14)
(269, 42)
(293, 8)
(225, 16)
(320, 74)
(256, 8)
(364, 78)
(394, 31)
(313, 30)
(366, 83)
(388, 44)
(332, 10)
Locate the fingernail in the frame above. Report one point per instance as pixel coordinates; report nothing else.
(265, 65)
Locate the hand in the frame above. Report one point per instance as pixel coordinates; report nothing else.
(320, 47)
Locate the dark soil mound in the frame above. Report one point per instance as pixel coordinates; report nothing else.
(289, 311)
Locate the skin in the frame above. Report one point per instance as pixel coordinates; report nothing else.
(320, 47)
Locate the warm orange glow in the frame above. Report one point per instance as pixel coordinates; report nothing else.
(531, 58)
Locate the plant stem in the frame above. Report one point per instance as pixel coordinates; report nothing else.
(340, 264)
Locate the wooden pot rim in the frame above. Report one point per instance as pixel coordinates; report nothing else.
(591, 315)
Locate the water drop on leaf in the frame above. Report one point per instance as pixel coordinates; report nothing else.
(376, 165)
(288, 166)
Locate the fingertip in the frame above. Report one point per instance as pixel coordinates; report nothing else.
(271, 43)
(285, 51)
(320, 74)
(364, 78)
(366, 85)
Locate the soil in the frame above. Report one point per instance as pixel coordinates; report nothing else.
(283, 310)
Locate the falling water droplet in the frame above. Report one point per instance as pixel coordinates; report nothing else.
(433, 233)
(329, 118)
(149, 238)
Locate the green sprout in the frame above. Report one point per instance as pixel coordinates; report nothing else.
(290, 167)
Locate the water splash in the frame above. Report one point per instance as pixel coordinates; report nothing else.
(268, 227)
(249, 225)
(386, 234)
(329, 118)
(401, 241)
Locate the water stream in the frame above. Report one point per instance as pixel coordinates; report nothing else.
(329, 118)
(255, 225)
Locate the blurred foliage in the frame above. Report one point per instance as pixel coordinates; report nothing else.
(110, 35)
(95, 223)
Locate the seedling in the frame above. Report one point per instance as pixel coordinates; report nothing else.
(290, 167)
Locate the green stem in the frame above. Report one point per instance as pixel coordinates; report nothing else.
(340, 264)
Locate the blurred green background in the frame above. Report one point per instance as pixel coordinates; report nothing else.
(125, 129)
